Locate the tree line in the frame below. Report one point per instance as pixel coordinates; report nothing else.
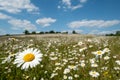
(26, 32)
(47, 32)
(115, 34)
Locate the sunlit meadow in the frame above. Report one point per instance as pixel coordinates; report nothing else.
(59, 57)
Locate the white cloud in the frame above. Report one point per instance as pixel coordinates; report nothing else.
(79, 31)
(67, 4)
(76, 7)
(83, 1)
(45, 21)
(59, 7)
(93, 23)
(16, 6)
(4, 16)
(21, 24)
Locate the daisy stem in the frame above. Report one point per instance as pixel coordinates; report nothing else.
(99, 67)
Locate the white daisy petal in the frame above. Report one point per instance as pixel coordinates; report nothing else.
(18, 65)
(28, 58)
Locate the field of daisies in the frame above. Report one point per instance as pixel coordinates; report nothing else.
(60, 58)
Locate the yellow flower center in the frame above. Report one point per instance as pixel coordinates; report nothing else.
(29, 57)
(93, 72)
(99, 52)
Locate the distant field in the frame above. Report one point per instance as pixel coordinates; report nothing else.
(59, 57)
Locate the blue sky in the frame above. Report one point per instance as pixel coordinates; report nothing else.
(84, 16)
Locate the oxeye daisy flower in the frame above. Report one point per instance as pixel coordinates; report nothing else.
(106, 50)
(98, 53)
(80, 43)
(70, 78)
(28, 58)
(118, 62)
(94, 73)
(64, 77)
(66, 71)
(72, 67)
(106, 57)
(82, 64)
(94, 65)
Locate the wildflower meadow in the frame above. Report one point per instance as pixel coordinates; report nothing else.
(60, 57)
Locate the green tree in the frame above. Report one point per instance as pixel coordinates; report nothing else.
(74, 32)
(46, 32)
(26, 32)
(7, 35)
(117, 33)
(65, 32)
(58, 32)
(52, 32)
(33, 32)
(41, 32)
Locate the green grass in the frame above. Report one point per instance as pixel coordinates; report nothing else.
(67, 53)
